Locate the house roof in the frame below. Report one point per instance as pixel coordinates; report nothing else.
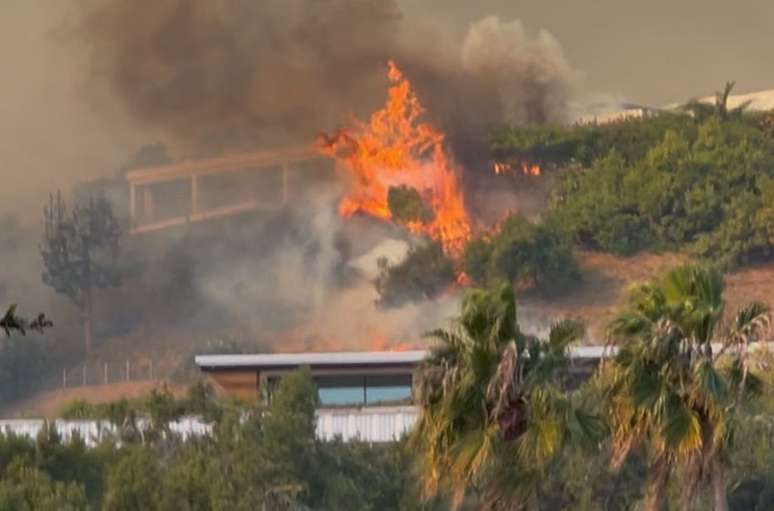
(342, 358)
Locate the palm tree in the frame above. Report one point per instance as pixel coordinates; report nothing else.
(703, 111)
(492, 414)
(665, 389)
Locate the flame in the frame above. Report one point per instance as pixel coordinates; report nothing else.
(380, 343)
(395, 148)
(530, 170)
(501, 167)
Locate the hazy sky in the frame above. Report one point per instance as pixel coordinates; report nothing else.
(651, 52)
(654, 51)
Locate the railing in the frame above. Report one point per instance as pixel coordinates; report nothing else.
(105, 373)
(383, 424)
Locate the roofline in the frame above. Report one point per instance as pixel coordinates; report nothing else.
(323, 359)
(372, 358)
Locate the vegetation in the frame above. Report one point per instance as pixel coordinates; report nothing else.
(424, 273)
(79, 253)
(493, 415)
(11, 323)
(679, 418)
(538, 255)
(256, 458)
(406, 205)
(667, 390)
(700, 181)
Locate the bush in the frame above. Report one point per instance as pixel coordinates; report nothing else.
(424, 273)
(79, 409)
(539, 255)
(705, 188)
(406, 205)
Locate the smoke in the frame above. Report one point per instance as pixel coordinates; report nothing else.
(226, 74)
(532, 76)
(235, 74)
(209, 76)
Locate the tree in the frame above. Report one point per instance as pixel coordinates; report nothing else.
(24, 488)
(79, 253)
(492, 414)
(665, 390)
(719, 109)
(540, 255)
(134, 482)
(423, 274)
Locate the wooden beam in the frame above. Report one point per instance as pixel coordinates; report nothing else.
(194, 194)
(261, 159)
(132, 206)
(147, 204)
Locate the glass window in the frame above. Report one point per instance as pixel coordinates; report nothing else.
(341, 390)
(392, 389)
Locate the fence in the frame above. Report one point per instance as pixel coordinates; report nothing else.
(105, 373)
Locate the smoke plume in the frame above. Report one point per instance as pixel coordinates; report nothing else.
(532, 77)
(235, 74)
(210, 76)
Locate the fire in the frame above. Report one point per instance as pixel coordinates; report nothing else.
(394, 148)
(530, 170)
(526, 168)
(380, 343)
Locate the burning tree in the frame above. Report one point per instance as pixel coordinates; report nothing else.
(395, 151)
(79, 253)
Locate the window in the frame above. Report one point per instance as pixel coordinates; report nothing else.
(388, 389)
(341, 390)
(359, 389)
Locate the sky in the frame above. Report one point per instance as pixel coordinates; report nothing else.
(54, 126)
(652, 52)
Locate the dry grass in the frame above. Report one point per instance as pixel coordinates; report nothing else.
(49, 404)
(606, 278)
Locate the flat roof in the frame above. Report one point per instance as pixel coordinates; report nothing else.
(336, 358)
(376, 358)
(345, 358)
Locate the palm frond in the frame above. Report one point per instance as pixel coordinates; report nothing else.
(564, 333)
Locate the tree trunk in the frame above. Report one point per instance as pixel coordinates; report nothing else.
(88, 329)
(657, 482)
(719, 496)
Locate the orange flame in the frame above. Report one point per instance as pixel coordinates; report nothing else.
(501, 167)
(530, 170)
(380, 343)
(393, 149)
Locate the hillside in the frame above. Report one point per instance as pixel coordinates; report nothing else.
(606, 277)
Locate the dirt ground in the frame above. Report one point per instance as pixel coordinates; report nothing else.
(606, 278)
(49, 404)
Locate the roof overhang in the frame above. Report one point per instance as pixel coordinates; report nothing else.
(313, 360)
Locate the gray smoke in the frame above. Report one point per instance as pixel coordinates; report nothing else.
(236, 74)
(208, 76)
(531, 75)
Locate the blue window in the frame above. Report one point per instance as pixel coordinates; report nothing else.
(388, 390)
(341, 390)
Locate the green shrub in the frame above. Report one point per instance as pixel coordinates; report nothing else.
(406, 205)
(704, 186)
(540, 255)
(79, 409)
(424, 273)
